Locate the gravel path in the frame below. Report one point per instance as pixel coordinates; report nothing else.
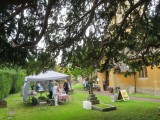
(130, 97)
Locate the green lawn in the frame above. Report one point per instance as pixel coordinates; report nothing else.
(73, 110)
(145, 96)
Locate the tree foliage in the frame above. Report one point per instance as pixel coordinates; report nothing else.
(86, 31)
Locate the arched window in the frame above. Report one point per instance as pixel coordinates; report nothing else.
(143, 73)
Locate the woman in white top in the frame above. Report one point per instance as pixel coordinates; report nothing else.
(56, 92)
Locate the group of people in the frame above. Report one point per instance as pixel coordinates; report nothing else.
(55, 89)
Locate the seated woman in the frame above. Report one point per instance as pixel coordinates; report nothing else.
(39, 87)
(62, 95)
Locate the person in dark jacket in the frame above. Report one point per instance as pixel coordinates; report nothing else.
(50, 89)
(65, 86)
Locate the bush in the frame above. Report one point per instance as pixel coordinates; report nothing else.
(11, 81)
(5, 86)
(17, 81)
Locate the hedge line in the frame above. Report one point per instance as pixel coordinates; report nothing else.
(11, 81)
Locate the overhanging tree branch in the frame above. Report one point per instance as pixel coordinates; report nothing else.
(128, 12)
(9, 18)
(44, 27)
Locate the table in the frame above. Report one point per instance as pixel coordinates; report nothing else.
(40, 91)
(41, 97)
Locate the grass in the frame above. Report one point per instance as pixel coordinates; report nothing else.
(78, 86)
(145, 96)
(73, 110)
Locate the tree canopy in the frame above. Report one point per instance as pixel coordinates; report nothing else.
(86, 31)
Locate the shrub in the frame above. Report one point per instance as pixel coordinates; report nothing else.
(11, 81)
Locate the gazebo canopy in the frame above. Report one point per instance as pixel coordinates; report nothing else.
(43, 76)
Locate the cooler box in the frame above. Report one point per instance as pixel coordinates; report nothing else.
(87, 105)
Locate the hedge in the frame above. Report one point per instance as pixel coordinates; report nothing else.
(11, 81)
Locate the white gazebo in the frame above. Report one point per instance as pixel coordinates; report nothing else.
(43, 76)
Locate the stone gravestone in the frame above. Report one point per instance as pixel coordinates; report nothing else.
(3, 104)
(91, 96)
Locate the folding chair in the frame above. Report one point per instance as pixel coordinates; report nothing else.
(43, 103)
(50, 101)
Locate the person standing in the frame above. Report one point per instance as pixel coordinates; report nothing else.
(104, 85)
(65, 86)
(39, 87)
(50, 89)
(56, 93)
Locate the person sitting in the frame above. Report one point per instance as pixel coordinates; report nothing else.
(62, 95)
(39, 87)
(86, 85)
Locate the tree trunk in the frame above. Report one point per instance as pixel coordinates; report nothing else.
(135, 82)
(107, 78)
